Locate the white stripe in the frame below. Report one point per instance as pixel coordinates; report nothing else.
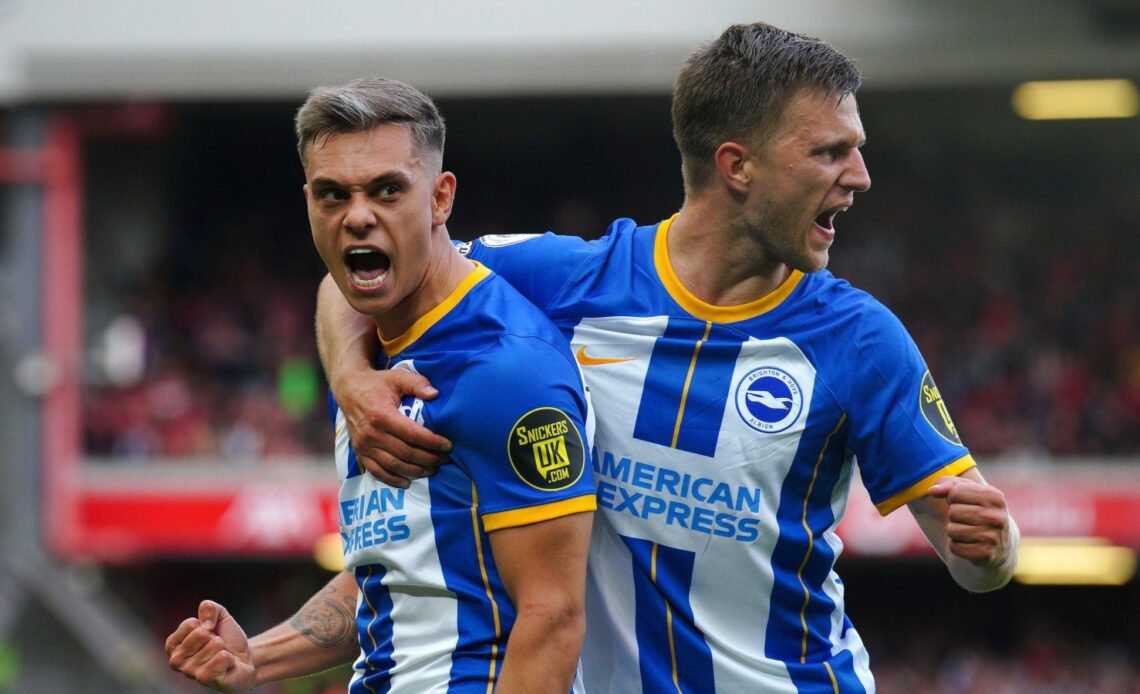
(611, 617)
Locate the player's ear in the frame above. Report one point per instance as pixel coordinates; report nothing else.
(443, 197)
(731, 165)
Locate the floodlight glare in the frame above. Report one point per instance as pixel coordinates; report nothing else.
(329, 552)
(1076, 99)
(1074, 561)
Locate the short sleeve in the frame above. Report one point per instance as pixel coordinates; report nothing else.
(901, 431)
(517, 418)
(537, 265)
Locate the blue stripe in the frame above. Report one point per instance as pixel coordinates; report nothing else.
(785, 633)
(332, 409)
(374, 624)
(450, 491)
(664, 380)
(688, 650)
(843, 666)
(813, 678)
(708, 389)
(354, 469)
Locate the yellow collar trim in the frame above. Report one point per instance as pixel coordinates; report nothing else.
(425, 322)
(706, 311)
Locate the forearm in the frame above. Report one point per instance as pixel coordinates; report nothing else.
(542, 653)
(543, 567)
(321, 635)
(345, 339)
(982, 577)
(968, 523)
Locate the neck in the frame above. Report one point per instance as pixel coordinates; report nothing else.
(445, 270)
(715, 259)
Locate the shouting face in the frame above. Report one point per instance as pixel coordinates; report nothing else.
(375, 204)
(807, 172)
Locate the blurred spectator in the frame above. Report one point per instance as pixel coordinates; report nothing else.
(1029, 315)
(1026, 307)
(231, 373)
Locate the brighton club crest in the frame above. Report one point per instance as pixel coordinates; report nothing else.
(769, 400)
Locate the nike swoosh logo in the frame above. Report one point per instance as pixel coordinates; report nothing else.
(586, 360)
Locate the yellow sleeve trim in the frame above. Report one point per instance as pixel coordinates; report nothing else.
(919, 488)
(537, 514)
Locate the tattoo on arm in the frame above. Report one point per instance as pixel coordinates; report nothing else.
(326, 621)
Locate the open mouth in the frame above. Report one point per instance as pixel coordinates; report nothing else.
(825, 220)
(368, 267)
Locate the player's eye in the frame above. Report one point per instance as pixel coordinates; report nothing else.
(387, 190)
(331, 195)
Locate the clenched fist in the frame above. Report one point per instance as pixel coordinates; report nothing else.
(978, 521)
(212, 650)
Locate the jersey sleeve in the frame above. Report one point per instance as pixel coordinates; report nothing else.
(517, 418)
(537, 265)
(901, 431)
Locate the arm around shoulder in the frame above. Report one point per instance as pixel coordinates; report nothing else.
(389, 445)
(345, 339)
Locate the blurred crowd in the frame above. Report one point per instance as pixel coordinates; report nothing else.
(926, 636)
(230, 373)
(1027, 311)
(1014, 650)
(1026, 307)
(1043, 669)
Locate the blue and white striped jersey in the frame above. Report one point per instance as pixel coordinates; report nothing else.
(723, 455)
(432, 613)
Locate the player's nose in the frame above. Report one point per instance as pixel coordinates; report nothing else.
(359, 217)
(856, 177)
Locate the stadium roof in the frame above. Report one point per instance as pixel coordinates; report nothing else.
(82, 50)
